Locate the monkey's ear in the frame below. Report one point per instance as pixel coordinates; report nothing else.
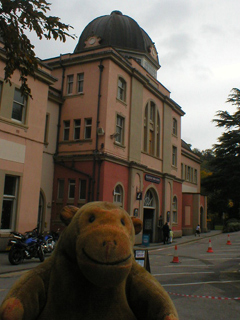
(138, 225)
(67, 214)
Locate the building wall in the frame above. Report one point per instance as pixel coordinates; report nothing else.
(21, 145)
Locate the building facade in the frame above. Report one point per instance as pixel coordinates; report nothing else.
(100, 127)
(120, 131)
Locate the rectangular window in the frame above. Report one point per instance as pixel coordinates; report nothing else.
(188, 174)
(195, 176)
(71, 189)
(46, 128)
(82, 189)
(80, 80)
(9, 207)
(174, 156)
(1, 86)
(120, 130)
(77, 127)
(66, 130)
(88, 128)
(175, 127)
(19, 106)
(60, 189)
(70, 84)
(182, 174)
(121, 89)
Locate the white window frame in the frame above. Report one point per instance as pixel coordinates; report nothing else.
(77, 128)
(20, 104)
(66, 130)
(122, 86)
(71, 188)
(14, 199)
(120, 124)
(174, 156)
(80, 82)
(175, 210)
(88, 126)
(118, 197)
(70, 80)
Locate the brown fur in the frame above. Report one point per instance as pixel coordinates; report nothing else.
(92, 274)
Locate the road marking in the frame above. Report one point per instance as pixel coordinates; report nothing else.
(198, 283)
(188, 265)
(178, 273)
(198, 296)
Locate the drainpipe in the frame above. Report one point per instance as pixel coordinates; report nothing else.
(95, 153)
(60, 105)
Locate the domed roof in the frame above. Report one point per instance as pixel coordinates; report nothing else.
(118, 31)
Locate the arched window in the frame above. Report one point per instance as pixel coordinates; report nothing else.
(118, 195)
(151, 131)
(149, 199)
(121, 94)
(175, 209)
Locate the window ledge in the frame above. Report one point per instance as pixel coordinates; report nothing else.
(14, 123)
(122, 101)
(70, 142)
(71, 95)
(119, 145)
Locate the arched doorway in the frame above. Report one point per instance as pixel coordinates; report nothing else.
(149, 214)
(40, 223)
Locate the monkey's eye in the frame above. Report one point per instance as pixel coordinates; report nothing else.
(91, 218)
(122, 222)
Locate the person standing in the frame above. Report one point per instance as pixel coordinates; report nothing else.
(198, 230)
(165, 233)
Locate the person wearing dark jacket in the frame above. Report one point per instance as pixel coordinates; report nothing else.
(165, 233)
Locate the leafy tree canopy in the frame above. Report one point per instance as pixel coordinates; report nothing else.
(223, 184)
(17, 16)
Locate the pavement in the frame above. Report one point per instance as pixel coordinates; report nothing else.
(6, 267)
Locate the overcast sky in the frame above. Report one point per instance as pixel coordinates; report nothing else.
(198, 46)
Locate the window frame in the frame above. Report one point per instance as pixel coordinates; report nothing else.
(66, 130)
(71, 184)
(61, 183)
(175, 210)
(120, 129)
(80, 82)
(46, 129)
(118, 195)
(77, 128)
(22, 104)
(70, 81)
(14, 200)
(86, 128)
(174, 156)
(80, 189)
(175, 127)
(121, 89)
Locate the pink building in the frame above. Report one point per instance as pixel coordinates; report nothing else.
(100, 127)
(22, 128)
(120, 131)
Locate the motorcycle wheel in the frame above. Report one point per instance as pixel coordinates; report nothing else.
(15, 256)
(41, 254)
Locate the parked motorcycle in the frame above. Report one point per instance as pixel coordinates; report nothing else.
(25, 246)
(49, 240)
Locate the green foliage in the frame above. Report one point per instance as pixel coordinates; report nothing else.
(17, 16)
(231, 225)
(223, 185)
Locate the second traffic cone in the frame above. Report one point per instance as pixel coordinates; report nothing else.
(210, 246)
(229, 241)
(175, 258)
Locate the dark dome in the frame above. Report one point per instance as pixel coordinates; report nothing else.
(116, 30)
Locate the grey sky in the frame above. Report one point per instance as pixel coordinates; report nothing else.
(198, 46)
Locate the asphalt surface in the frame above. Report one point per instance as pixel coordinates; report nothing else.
(6, 267)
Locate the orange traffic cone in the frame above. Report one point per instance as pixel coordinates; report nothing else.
(228, 241)
(210, 246)
(175, 258)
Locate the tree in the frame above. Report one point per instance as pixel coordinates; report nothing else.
(225, 166)
(17, 16)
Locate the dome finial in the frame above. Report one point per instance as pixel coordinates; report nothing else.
(116, 12)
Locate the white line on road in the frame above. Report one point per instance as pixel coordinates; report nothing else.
(197, 283)
(178, 273)
(188, 265)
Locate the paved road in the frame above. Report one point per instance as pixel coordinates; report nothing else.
(202, 285)
(190, 282)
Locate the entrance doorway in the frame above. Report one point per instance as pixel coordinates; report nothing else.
(149, 215)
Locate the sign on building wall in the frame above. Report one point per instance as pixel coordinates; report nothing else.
(151, 178)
